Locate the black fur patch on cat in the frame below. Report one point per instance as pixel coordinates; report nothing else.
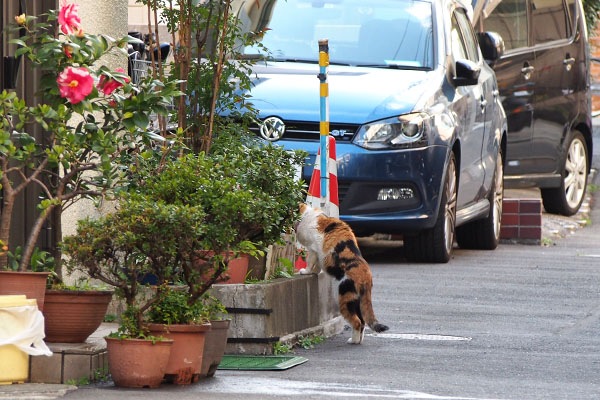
(336, 271)
(354, 308)
(347, 286)
(331, 227)
(341, 246)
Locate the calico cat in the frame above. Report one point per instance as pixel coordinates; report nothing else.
(332, 246)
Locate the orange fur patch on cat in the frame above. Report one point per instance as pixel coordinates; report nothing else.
(332, 247)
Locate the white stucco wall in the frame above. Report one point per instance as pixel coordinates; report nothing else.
(98, 17)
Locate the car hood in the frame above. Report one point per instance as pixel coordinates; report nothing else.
(356, 94)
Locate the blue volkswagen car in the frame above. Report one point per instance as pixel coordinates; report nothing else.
(414, 107)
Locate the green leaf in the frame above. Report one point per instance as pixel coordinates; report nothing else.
(18, 42)
(141, 120)
(22, 50)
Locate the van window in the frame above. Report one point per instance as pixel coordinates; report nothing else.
(509, 20)
(572, 8)
(549, 21)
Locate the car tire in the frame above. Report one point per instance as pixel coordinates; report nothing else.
(435, 244)
(484, 234)
(567, 198)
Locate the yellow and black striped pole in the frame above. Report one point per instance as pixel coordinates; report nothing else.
(324, 124)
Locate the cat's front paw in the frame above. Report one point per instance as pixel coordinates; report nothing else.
(351, 341)
(304, 271)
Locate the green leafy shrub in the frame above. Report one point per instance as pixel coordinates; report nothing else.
(173, 308)
(236, 200)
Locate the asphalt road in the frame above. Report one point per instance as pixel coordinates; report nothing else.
(519, 323)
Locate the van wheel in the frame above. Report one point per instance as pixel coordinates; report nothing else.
(484, 234)
(567, 198)
(435, 244)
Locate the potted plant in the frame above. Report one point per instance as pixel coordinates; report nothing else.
(73, 312)
(174, 317)
(31, 283)
(69, 161)
(121, 249)
(234, 200)
(216, 338)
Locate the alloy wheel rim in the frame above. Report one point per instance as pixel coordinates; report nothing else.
(450, 212)
(498, 197)
(575, 168)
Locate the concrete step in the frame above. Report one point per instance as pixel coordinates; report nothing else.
(73, 362)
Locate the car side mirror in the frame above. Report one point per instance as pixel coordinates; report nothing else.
(491, 45)
(467, 73)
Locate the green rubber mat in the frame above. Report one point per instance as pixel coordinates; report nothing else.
(258, 363)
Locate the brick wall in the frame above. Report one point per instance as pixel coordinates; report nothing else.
(595, 67)
(522, 221)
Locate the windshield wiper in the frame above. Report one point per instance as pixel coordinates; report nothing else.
(393, 66)
(254, 57)
(305, 60)
(298, 60)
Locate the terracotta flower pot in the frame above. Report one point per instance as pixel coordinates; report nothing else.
(185, 362)
(214, 346)
(237, 268)
(71, 316)
(31, 284)
(137, 362)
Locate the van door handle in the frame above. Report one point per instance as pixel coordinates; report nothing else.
(568, 63)
(527, 71)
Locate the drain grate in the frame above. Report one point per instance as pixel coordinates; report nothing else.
(258, 363)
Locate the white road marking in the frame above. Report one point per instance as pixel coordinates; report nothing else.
(232, 384)
(419, 336)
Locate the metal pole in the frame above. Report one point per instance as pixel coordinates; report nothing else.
(324, 124)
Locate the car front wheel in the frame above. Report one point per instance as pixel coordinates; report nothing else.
(484, 234)
(567, 198)
(435, 244)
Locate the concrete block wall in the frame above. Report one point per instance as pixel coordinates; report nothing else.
(522, 221)
(262, 313)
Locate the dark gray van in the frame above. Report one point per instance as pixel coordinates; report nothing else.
(544, 82)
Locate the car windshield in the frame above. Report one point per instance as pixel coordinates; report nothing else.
(385, 33)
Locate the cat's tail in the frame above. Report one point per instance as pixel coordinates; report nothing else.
(366, 309)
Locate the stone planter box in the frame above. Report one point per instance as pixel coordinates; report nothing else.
(277, 311)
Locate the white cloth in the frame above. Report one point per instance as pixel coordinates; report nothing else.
(30, 339)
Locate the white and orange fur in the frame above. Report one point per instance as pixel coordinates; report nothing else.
(332, 247)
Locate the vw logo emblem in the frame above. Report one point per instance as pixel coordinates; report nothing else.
(272, 129)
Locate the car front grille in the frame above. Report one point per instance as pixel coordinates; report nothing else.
(310, 131)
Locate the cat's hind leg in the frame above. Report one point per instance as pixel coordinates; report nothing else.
(350, 309)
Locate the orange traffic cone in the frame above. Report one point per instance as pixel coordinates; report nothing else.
(331, 206)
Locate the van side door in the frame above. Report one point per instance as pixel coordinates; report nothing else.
(515, 75)
(558, 51)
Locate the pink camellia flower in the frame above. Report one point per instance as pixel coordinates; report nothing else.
(68, 19)
(109, 85)
(75, 84)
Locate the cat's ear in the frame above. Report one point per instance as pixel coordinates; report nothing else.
(302, 208)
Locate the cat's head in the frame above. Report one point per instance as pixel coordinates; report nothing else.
(306, 211)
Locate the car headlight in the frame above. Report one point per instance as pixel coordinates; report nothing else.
(405, 131)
